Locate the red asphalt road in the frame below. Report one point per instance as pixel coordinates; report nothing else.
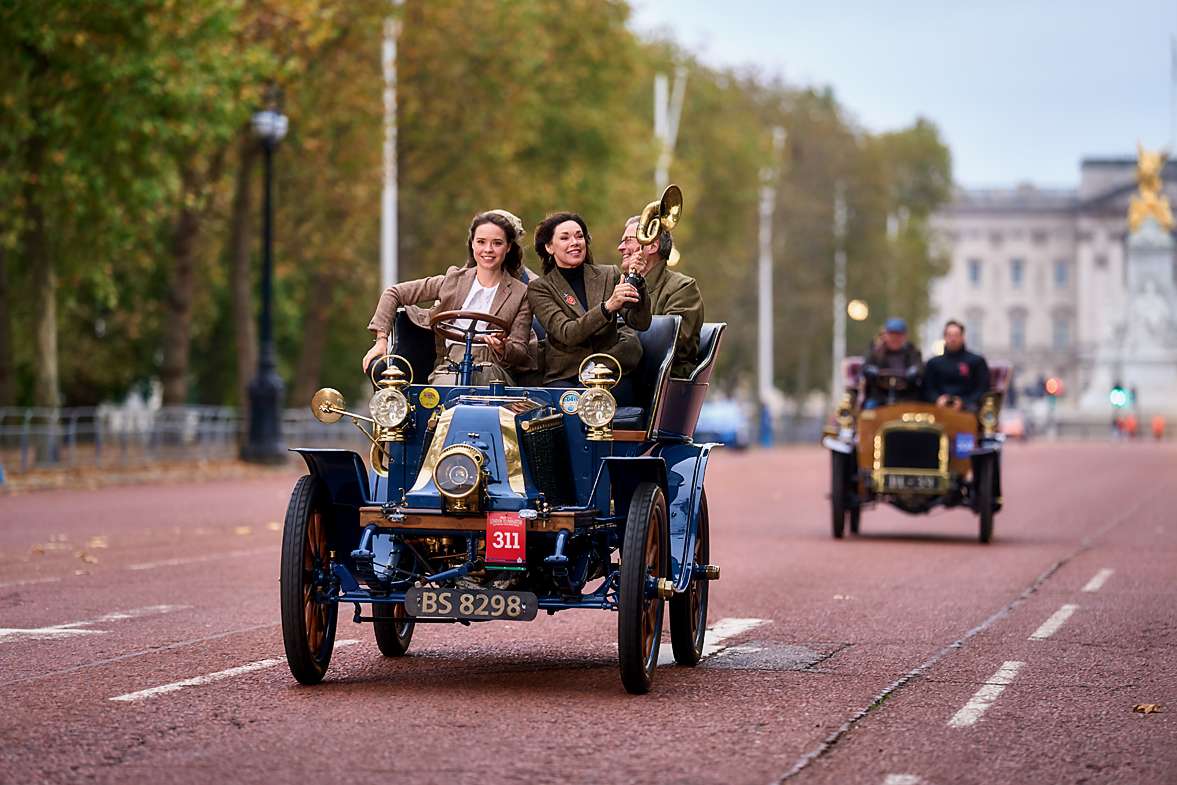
(873, 644)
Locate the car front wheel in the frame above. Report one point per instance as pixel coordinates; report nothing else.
(644, 560)
(308, 624)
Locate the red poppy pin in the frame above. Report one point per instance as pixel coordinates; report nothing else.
(963, 368)
(570, 299)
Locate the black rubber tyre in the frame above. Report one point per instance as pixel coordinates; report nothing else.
(308, 627)
(639, 618)
(393, 628)
(688, 611)
(838, 494)
(855, 515)
(983, 482)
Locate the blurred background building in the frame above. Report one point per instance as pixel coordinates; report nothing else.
(1038, 276)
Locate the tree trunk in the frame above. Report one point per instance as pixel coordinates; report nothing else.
(7, 384)
(194, 204)
(178, 324)
(314, 339)
(240, 280)
(35, 247)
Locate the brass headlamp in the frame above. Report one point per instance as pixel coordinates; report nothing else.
(597, 407)
(458, 476)
(987, 413)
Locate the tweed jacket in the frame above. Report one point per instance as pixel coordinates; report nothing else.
(574, 333)
(450, 292)
(672, 293)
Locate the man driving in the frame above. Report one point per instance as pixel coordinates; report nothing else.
(957, 378)
(670, 292)
(892, 355)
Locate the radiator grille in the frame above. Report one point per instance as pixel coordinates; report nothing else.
(547, 457)
(911, 449)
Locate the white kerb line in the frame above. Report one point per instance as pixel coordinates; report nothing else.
(1101, 577)
(1051, 625)
(209, 678)
(986, 696)
(716, 635)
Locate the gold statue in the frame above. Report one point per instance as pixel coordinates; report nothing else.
(1149, 201)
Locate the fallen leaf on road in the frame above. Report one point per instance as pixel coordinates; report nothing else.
(243, 531)
(274, 526)
(842, 597)
(81, 572)
(86, 557)
(97, 541)
(1148, 708)
(37, 550)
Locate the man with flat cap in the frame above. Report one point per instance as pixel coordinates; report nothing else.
(892, 354)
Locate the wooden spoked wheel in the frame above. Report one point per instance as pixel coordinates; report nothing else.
(688, 611)
(308, 625)
(644, 559)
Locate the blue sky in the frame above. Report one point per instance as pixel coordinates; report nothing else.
(1021, 91)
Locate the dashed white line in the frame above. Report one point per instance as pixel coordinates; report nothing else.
(717, 633)
(986, 696)
(1097, 582)
(902, 779)
(1051, 625)
(28, 582)
(209, 678)
(74, 628)
(178, 562)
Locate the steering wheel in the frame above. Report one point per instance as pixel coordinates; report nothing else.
(444, 323)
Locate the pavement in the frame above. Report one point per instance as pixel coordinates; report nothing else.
(139, 641)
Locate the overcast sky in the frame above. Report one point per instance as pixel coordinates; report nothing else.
(1021, 91)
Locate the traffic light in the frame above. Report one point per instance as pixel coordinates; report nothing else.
(1053, 386)
(1118, 397)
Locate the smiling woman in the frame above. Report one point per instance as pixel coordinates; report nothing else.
(578, 302)
(488, 284)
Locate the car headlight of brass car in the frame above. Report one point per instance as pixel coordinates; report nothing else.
(596, 407)
(389, 407)
(458, 472)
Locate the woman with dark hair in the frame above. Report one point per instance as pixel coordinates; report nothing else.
(489, 283)
(578, 303)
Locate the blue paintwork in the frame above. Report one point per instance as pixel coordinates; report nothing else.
(603, 472)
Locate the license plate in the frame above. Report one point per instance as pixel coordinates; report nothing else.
(477, 604)
(506, 539)
(910, 482)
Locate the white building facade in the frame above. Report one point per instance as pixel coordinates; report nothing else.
(1038, 276)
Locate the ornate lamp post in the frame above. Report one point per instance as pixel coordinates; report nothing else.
(265, 391)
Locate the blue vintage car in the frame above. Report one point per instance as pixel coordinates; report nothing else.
(496, 503)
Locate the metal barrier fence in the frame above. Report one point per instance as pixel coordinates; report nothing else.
(117, 436)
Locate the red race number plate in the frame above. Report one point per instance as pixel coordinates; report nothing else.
(506, 539)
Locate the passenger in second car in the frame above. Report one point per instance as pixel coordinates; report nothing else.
(579, 304)
(487, 284)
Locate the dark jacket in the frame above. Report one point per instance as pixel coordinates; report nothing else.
(574, 333)
(963, 374)
(907, 358)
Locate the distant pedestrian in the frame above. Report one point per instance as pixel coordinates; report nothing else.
(1158, 427)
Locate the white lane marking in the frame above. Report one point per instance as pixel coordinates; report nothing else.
(1097, 582)
(28, 582)
(902, 779)
(74, 628)
(1051, 625)
(986, 696)
(716, 635)
(180, 561)
(209, 678)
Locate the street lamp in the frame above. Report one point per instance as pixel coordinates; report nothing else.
(265, 391)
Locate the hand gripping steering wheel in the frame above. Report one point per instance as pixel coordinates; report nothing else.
(444, 323)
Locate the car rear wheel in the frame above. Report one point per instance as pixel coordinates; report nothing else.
(983, 481)
(644, 560)
(838, 493)
(855, 514)
(393, 628)
(688, 610)
(308, 625)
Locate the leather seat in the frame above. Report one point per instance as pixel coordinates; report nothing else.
(657, 356)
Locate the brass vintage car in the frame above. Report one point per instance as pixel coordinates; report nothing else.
(911, 454)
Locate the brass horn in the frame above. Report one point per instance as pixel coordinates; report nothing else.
(660, 216)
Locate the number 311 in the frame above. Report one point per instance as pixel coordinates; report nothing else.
(505, 540)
